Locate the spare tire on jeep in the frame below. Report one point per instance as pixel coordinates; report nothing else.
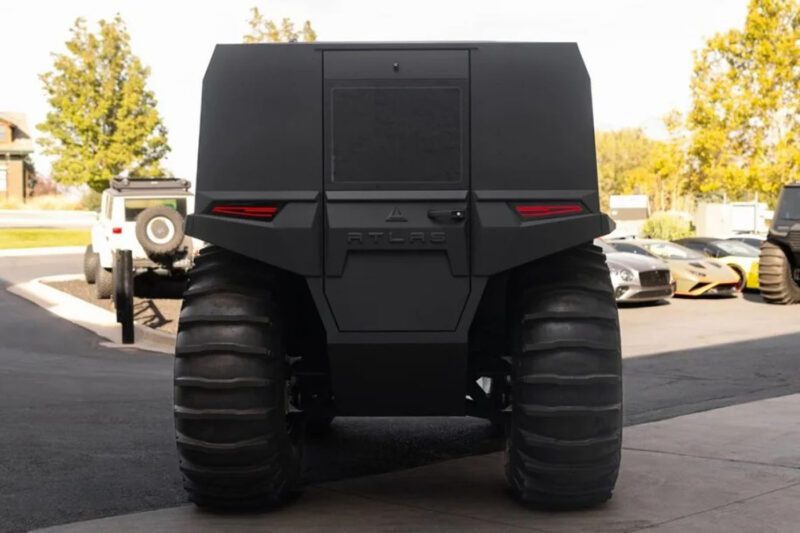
(159, 229)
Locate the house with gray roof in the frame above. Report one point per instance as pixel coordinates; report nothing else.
(16, 144)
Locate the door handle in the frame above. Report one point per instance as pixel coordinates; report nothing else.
(448, 214)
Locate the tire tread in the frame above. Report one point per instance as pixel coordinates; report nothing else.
(565, 440)
(230, 418)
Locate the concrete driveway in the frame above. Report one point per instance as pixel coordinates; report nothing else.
(735, 469)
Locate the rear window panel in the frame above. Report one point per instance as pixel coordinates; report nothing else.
(134, 206)
(396, 134)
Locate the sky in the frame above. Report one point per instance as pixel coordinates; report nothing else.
(638, 52)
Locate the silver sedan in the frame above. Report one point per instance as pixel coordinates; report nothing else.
(637, 278)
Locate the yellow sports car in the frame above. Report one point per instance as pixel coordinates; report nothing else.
(740, 256)
(694, 273)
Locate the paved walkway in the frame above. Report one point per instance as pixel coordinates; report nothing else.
(728, 470)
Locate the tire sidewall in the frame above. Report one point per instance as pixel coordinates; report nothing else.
(565, 327)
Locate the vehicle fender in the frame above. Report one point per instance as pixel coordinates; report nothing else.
(292, 241)
(101, 246)
(502, 240)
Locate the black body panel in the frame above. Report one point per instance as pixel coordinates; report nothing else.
(395, 169)
(261, 120)
(532, 126)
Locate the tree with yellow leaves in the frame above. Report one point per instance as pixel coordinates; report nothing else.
(263, 30)
(629, 162)
(745, 115)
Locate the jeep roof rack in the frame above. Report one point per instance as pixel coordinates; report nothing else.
(140, 184)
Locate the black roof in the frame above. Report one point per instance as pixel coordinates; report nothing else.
(149, 184)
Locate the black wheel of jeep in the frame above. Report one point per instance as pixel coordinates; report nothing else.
(238, 436)
(103, 282)
(775, 276)
(90, 262)
(563, 448)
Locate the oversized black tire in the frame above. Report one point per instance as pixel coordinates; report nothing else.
(775, 276)
(238, 437)
(159, 229)
(90, 262)
(564, 443)
(103, 282)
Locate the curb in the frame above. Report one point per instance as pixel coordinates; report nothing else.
(51, 250)
(89, 316)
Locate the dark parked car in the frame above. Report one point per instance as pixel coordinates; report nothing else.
(779, 271)
(755, 242)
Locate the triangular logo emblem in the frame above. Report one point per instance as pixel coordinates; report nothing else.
(396, 216)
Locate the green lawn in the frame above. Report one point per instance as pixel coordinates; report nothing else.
(40, 237)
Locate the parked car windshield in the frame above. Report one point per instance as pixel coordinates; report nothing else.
(736, 248)
(752, 241)
(134, 206)
(622, 246)
(607, 248)
(670, 250)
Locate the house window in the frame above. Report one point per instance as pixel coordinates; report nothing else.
(3, 179)
(5, 134)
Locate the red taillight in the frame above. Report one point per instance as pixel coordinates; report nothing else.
(530, 211)
(246, 211)
(116, 231)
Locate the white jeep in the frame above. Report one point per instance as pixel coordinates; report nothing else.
(145, 216)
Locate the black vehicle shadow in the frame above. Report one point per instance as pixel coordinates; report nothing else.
(679, 382)
(753, 295)
(150, 285)
(656, 387)
(147, 313)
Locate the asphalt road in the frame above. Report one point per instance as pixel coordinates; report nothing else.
(87, 430)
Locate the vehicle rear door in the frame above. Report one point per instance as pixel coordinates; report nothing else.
(396, 132)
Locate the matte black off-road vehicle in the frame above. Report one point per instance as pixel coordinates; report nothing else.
(397, 229)
(779, 263)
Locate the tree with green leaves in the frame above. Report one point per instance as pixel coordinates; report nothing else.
(103, 120)
(263, 30)
(745, 115)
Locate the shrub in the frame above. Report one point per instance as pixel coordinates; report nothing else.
(91, 200)
(666, 226)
